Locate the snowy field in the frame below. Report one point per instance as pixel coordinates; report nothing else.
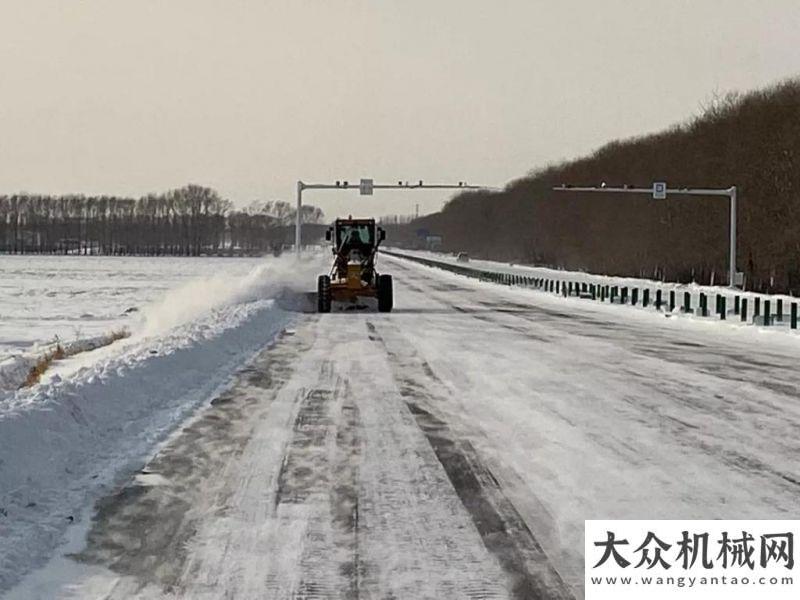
(70, 297)
(193, 322)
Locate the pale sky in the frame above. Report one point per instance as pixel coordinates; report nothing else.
(248, 96)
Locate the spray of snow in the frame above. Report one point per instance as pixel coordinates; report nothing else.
(213, 294)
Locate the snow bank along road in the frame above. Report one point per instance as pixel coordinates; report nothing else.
(450, 449)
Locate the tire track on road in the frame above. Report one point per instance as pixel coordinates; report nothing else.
(502, 529)
(320, 469)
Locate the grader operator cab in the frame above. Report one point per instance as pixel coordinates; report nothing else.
(353, 276)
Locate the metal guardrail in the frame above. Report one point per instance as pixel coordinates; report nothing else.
(764, 311)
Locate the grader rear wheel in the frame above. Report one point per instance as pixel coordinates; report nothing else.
(324, 294)
(385, 293)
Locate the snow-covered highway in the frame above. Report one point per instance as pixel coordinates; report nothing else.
(449, 449)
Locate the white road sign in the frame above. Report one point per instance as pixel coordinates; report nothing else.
(659, 190)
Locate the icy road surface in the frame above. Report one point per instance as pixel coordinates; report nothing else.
(450, 449)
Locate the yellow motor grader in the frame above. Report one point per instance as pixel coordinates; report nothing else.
(353, 276)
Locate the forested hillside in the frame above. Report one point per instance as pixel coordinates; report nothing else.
(751, 141)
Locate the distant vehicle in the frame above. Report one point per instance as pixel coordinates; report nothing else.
(462, 257)
(355, 244)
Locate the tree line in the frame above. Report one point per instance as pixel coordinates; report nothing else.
(189, 221)
(751, 141)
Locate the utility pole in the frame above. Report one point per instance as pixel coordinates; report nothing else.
(297, 220)
(365, 188)
(659, 191)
